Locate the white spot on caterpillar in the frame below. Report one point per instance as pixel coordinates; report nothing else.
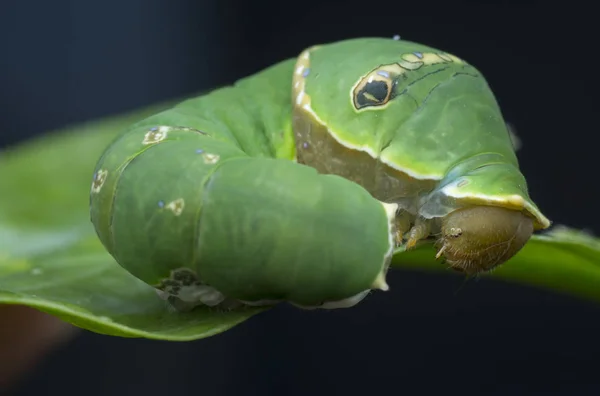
(37, 271)
(99, 179)
(176, 206)
(156, 135)
(210, 158)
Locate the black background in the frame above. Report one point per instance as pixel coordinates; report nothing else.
(68, 61)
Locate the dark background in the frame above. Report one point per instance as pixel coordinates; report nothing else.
(68, 61)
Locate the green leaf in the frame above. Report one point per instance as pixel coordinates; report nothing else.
(51, 259)
(68, 274)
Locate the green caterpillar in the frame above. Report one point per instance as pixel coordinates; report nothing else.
(297, 183)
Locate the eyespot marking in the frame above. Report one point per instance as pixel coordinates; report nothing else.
(306, 72)
(381, 85)
(99, 179)
(161, 204)
(376, 88)
(210, 158)
(199, 151)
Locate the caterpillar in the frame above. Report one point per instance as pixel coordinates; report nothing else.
(296, 184)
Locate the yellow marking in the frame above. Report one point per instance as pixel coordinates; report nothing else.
(445, 57)
(412, 58)
(408, 62)
(410, 65)
(393, 69)
(413, 62)
(455, 59)
(176, 206)
(431, 58)
(370, 97)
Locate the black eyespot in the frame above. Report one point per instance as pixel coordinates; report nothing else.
(376, 88)
(373, 93)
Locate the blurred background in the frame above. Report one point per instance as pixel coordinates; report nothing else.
(64, 62)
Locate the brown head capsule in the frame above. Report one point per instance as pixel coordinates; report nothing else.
(479, 238)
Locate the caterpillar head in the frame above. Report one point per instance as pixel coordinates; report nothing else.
(479, 238)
